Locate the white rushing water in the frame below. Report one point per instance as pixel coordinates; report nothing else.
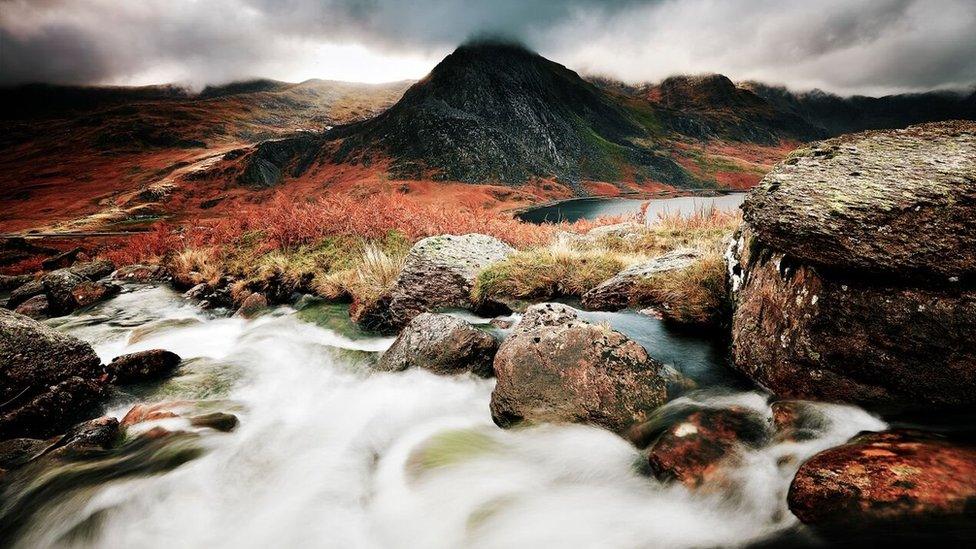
(330, 454)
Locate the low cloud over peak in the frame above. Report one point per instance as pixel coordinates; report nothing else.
(849, 47)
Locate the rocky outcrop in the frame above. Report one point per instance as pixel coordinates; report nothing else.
(36, 307)
(442, 344)
(93, 270)
(618, 292)
(47, 379)
(142, 366)
(439, 273)
(24, 292)
(555, 367)
(694, 450)
(66, 289)
(12, 282)
(853, 274)
(891, 477)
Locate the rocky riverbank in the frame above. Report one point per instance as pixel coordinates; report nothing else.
(849, 281)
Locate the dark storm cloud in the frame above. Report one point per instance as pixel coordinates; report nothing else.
(870, 46)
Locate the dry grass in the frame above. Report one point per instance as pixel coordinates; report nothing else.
(556, 270)
(193, 266)
(696, 295)
(374, 273)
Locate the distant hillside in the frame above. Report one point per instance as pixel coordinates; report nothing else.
(498, 112)
(838, 115)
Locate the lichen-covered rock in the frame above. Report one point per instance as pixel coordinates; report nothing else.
(695, 449)
(58, 286)
(555, 367)
(893, 476)
(899, 202)
(142, 366)
(33, 355)
(859, 288)
(803, 333)
(36, 307)
(143, 274)
(618, 292)
(439, 273)
(442, 344)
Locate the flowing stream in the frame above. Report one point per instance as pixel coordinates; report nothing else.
(330, 453)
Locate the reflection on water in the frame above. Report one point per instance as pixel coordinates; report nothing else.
(589, 208)
(330, 453)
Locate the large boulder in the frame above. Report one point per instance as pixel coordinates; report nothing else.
(618, 292)
(46, 378)
(442, 344)
(873, 301)
(439, 273)
(893, 476)
(555, 367)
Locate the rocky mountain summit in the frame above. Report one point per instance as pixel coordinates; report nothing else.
(499, 112)
(854, 270)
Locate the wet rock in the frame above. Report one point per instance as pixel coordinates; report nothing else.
(142, 366)
(618, 292)
(442, 344)
(19, 451)
(211, 296)
(88, 293)
(58, 286)
(798, 420)
(101, 433)
(46, 411)
(36, 307)
(439, 273)
(35, 357)
(143, 274)
(141, 413)
(218, 421)
(555, 367)
(893, 476)
(61, 260)
(93, 270)
(25, 292)
(694, 450)
(8, 282)
(501, 323)
(891, 287)
(252, 306)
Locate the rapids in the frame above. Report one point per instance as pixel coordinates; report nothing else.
(331, 454)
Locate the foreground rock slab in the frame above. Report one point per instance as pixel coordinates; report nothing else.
(557, 368)
(442, 344)
(439, 273)
(872, 299)
(891, 476)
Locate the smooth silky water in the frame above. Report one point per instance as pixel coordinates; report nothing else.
(330, 453)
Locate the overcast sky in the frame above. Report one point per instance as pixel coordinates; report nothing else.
(845, 46)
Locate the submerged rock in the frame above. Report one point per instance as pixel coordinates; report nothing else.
(142, 366)
(694, 450)
(618, 292)
(555, 367)
(853, 275)
(893, 476)
(442, 344)
(439, 273)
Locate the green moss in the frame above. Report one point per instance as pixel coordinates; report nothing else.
(451, 448)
